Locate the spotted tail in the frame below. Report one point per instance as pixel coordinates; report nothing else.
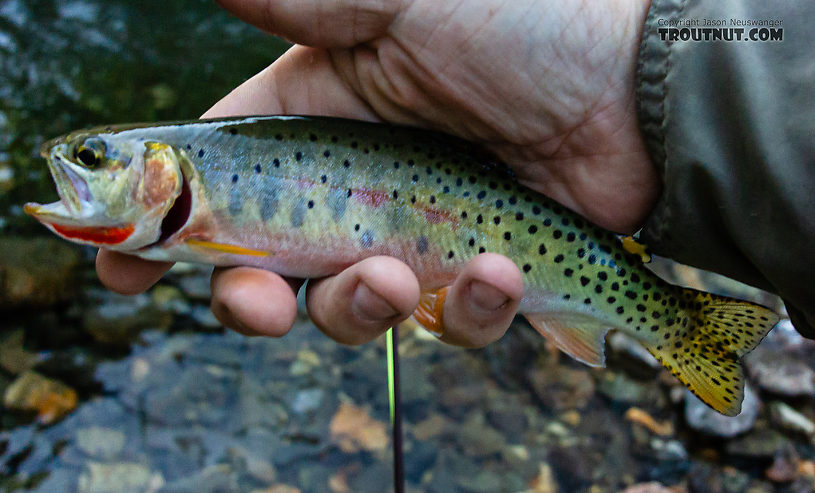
(704, 350)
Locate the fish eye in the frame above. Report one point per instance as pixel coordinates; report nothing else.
(90, 152)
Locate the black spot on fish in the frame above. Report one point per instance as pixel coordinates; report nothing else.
(432, 199)
(570, 237)
(567, 272)
(508, 236)
(450, 254)
(189, 147)
(459, 182)
(422, 245)
(527, 268)
(581, 252)
(310, 204)
(497, 219)
(513, 201)
(536, 210)
(532, 229)
(631, 294)
(312, 137)
(446, 189)
(519, 216)
(234, 178)
(298, 213)
(584, 280)
(479, 219)
(558, 258)
(471, 242)
(276, 162)
(356, 227)
(557, 234)
(481, 195)
(200, 153)
(323, 179)
(346, 163)
(298, 156)
(481, 249)
(233, 131)
(414, 178)
(542, 249)
(258, 169)
(499, 203)
(327, 153)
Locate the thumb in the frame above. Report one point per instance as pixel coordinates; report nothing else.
(318, 23)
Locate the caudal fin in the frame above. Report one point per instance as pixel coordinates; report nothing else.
(704, 349)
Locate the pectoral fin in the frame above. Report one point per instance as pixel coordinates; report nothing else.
(225, 248)
(430, 312)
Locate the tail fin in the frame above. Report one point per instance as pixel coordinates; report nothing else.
(704, 351)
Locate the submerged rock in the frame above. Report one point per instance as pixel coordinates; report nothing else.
(36, 271)
(124, 477)
(562, 388)
(49, 398)
(117, 320)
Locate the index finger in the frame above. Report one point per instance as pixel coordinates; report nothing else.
(126, 274)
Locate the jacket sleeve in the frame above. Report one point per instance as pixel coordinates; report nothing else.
(731, 125)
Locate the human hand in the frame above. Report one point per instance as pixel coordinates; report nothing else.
(549, 88)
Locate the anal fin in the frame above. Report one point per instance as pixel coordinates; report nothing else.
(581, 336)
(430, 312)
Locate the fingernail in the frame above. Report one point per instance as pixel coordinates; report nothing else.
(369, 306)
(485, 297)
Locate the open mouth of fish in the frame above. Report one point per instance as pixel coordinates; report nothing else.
(76, 207)
(75, 202)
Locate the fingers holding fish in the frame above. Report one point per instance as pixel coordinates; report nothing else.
(316, 23)
(253, 301)
(303, 81)
(126, 274)
(364, 300)
(482, 302)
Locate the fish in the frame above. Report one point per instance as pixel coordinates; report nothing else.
(309, 196)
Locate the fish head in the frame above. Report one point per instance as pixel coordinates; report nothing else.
(114, 191)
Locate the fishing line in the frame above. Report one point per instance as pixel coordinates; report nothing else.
(395, 404)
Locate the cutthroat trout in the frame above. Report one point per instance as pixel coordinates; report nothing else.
(307, 197)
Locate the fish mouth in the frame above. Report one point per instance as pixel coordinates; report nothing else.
(74, 193)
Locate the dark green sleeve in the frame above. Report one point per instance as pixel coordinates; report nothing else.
(731, 125)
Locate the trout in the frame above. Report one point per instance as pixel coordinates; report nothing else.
(309, 196)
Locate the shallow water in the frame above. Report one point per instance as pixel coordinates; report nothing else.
(169, 401)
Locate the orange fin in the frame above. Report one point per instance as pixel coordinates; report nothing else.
(223, 247)
(582, 337)
(429, 313)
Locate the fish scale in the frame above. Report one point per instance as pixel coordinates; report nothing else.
(309, 196)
